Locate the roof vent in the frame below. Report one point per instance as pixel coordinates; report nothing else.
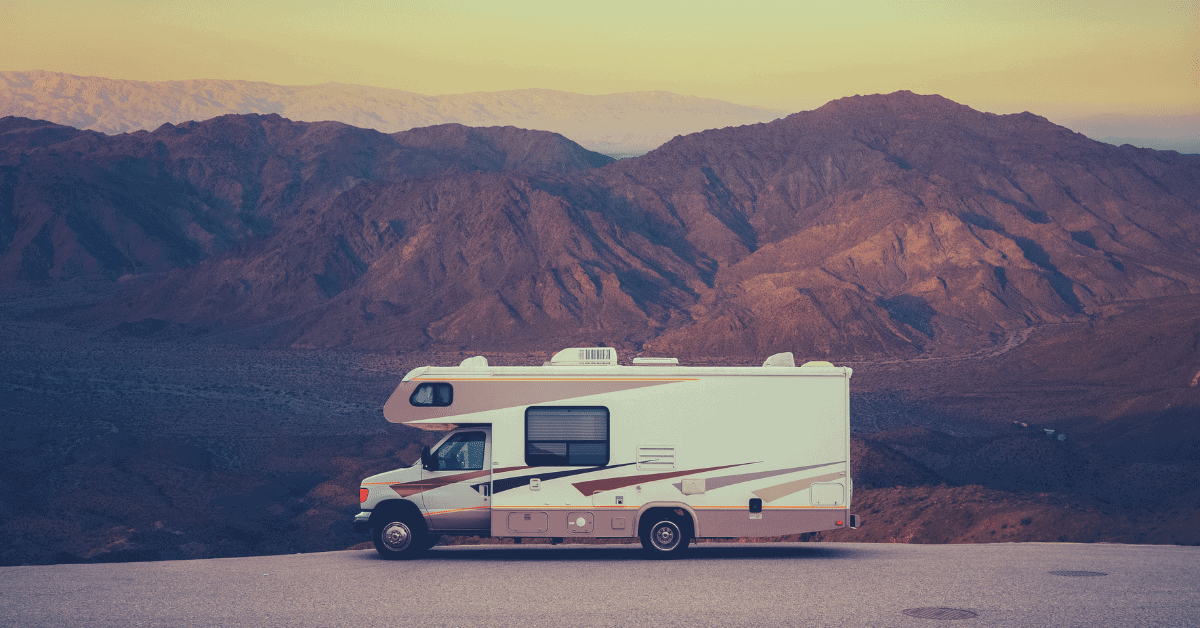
(816, 363)
(477, 362)
(656, 361)
(585, 356)
(781, 359)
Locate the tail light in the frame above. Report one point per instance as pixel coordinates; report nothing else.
(362, 494)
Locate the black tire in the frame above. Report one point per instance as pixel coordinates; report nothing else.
(397, 539)
(665, 537)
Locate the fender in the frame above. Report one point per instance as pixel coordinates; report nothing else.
(403, 506)
(637, 521)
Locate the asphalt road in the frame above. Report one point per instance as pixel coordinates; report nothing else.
(826, 584)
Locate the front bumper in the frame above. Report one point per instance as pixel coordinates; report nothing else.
(362, 522)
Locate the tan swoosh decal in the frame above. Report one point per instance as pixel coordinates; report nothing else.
(494, 393)
(772, 493)
(608, 484)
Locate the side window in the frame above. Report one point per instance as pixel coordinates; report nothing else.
(461, 452)
(566, 436)
(437, 395)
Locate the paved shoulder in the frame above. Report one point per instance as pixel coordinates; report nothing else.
(790, 584)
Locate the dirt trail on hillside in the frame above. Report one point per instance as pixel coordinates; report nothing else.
(1011, 340)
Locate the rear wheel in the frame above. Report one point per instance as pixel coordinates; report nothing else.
(665, 537)
(395, 538)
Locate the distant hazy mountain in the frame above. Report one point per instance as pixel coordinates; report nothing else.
(621, 125)
(1180, 133)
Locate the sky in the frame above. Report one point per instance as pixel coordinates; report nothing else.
(1054, 58)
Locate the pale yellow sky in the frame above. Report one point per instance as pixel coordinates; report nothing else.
(1054, 58)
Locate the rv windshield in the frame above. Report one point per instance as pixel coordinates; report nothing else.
(461, 452)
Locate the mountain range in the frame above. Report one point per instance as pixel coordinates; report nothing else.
(886, 225)
(617, 124)
(988, 277)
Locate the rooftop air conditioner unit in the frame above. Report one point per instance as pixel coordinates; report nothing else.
(585, 356)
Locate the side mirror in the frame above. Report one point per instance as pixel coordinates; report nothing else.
(426, 458)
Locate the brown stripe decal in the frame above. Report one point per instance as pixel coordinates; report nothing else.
(508, 484)
(408, 489)
(721, 481)
(772, 493)
(608, 484)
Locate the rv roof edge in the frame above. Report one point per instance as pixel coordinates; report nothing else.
(656, 361)
(414, 373)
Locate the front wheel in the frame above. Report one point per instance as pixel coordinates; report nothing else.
(664, 538)
(398, 540)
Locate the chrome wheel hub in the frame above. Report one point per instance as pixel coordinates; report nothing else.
(396, 536)
(665, 536)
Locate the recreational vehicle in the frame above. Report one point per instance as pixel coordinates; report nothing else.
(584, 447)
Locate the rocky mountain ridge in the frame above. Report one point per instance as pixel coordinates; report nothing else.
(84, 204)
(884, 225)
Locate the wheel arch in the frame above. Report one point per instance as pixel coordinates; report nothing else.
(647, 512)
(402, 508)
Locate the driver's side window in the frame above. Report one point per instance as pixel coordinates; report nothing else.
(461, 452)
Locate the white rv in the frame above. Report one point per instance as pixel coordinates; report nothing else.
(584, 447)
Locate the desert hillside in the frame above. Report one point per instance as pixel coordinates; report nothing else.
(135, 445)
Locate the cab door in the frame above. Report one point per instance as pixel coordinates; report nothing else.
(459, 482)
